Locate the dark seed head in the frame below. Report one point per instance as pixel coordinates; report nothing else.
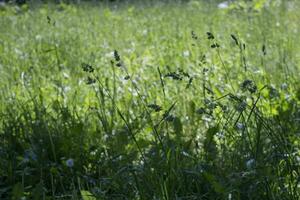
(210, 36)
(117, 56)
(119, 64)
(216, 45)
(264, 49)
(235, 39)
(155, 107)
(48, 19)
(90, 80)
(194, 36)
(87, 68)
(174, 76)
(249, 85)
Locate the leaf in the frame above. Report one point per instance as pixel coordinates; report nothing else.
(17, 191)
(177, 125)
(192, 108)
(38, 192)
(259, 4)
(86, 195)
(210, 145)
(218, 188)
(211, 132)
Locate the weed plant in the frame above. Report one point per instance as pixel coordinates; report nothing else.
(150, 101)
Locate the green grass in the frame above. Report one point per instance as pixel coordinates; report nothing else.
(150, 101)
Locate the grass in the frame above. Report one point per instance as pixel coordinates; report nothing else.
(150, 101)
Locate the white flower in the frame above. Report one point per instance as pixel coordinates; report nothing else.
(250, 163)
(284, 86)
(109, 54)
(240, 126)
(186, 53)
(70, 162)
(145, 32)
(223, 5)
(66, 75)
(66, 89)
(38, 37)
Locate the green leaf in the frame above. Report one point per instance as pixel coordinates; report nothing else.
(177, 126)
(86, 195)
(218, 188)
(17, 191)
(259, 4)
(38, 192)
(210, 145)
(192, 108)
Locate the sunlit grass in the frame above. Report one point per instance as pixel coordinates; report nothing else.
(149, 101)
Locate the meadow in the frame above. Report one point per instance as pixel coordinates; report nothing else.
(150, 100)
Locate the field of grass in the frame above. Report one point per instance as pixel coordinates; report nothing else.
(150, 100)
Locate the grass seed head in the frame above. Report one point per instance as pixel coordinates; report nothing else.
(210, 36)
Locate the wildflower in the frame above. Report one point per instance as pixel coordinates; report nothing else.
(250, 163)
(273, 92)
(109, 54)
(284, 86)
(220, 134)
(145, 32)
(223, 5)
(66, 75)
(240, 126)
(70, 162)
(30, 155)
(186, 53)
(38, 37)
